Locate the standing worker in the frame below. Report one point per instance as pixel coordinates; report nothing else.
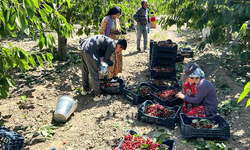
(111, 27)
(93, 48)
(141, 16)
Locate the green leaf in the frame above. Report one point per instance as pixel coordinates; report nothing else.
(247, 86)
(48, 8)
(161, 130)
(144, 145)
(10, 81)
(40, 61)
(35, 2)
(43, 15)
(44, 58)
(243, 94)
(68, 2)
(41, 41)
(22, 22)
(32, 61)
(248, 103)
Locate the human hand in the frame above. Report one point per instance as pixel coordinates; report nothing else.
(180, 95)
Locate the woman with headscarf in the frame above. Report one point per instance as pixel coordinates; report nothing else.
(205, 97)
(110, 26)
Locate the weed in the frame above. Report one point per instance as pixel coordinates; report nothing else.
(227, 106)
(23, 100)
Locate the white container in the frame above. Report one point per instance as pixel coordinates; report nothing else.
(65, 107)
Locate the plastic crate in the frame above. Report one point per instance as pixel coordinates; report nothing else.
(169, 122)
(173, 102)
(163, 54)
(164, 87)
(179, 58)
(135, 98)
(157, 48)
(187, 52)
(114, 90)
(155, 74)
(163, 61)
(10, 140)
(188, 131)
(170, 142)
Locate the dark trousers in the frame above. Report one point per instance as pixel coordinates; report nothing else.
(90, 67)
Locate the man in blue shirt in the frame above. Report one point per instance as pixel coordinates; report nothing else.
(93, 48)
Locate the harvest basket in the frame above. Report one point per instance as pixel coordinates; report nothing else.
(166, 74)
(169, 122)
(134, 97)
(188, 131)
(164, 87)
(10, 140)
(187, 52)
(173, 102)
(115, 89)
(170, 142)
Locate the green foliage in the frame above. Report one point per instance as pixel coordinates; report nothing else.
(23, 100)
(228, 106)
(245, 93)
(207, 144)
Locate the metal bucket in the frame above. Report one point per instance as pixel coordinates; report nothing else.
(65, 107)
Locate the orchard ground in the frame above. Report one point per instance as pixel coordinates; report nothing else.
(100, 125)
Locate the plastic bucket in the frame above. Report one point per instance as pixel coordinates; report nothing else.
(65, 107)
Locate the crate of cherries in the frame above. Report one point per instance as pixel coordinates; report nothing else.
(204, 127)
(166, 97)
(112, 86)
(132, 141)
(139, 93)
(161, 115)
(162, 71)
(164, 83)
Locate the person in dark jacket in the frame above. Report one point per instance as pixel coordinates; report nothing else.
(205, 96)
(141, 16)
(93, 48)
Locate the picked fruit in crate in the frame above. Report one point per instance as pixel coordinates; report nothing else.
(133, 141)
(187, 52)
(158, 111)
(168, 94)
(142, 90)
(166, 43)
(161, 82)
(204, 124)
(162, 69)
(109, 83)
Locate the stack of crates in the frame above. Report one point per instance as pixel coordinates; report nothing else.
(162, 60)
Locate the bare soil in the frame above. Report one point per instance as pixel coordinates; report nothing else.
(100, 125)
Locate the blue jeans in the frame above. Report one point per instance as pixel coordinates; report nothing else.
(148, 27)
(142, 29)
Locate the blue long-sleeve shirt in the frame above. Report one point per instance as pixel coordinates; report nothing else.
(206, 96)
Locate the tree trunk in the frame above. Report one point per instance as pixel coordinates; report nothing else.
(62, 51)
(62, 40)
(228, 34)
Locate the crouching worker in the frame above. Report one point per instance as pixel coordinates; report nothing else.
(93, 48)
(205, 98)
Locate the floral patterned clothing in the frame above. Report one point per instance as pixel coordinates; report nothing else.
(188, 106)
(116, 57)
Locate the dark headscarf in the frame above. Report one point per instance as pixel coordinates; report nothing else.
(114, 10)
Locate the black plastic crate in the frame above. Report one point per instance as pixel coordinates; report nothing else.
(187, 52)
(173, 102)
(157, 48)
(163, 61)
(164, 87)
(135, 98)
(188, 131)
(169, 122)
(170, 142)
(162, 54)
(10, 140)
(179, 58)
(159, 74)
(114, 90)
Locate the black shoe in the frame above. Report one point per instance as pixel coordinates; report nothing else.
(138, 50)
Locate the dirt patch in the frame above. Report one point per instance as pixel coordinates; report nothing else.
(99, 125)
